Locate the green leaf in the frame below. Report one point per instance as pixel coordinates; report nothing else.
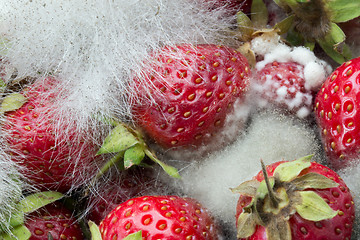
(119, 139)
(37, 200)
(171, 171)
(334, 46)
(313, 180)
(294, 38)
(12, 102)
(134, 236)
(134, 155)
(313, 207)
(95, 232)
(245, 26)
(18, 233)
(17, 218)
(285, 25)
(259, 13)
(246, 225)
(289, 170)
(343, 10)
(310, 45)
(331, 52)
(336, 34)
(247, 188)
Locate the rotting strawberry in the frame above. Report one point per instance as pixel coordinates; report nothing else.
(337, 113)
(159, 217)
(53, 221)
(49, 154)
(288, 78)
(295, 200)
(186, 92)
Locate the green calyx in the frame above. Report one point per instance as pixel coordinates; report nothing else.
(28, 204)
(315, 22)
(308, 23)
(130, 149)
(277, 198)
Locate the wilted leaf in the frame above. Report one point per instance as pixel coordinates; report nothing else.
(313, 207)
(289, 170)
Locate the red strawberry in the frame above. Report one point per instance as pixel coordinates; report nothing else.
(299, 188)
(159, 217)
(54, 220)
(120, 188)
(337, 112)
(47, 157)
(190, 90)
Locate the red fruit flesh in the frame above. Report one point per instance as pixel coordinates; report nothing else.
(159, 217)
(337, 112)
(338, 198)
(55, 220)
(192, 89)
(50, 158)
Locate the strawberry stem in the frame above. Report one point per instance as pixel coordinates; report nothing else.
(273, 199)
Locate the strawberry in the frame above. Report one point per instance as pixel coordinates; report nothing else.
(47, 157)
(283, 85)
(120, 188)
(187, 91)
(295, 200)
(337, 110)
(53, 221)
(159, 217)
(287, 79)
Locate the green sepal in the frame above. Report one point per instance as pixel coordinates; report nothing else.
(313, 207)
(309, 45)
(37, 200)
(134, 155)
(290, 170)
(313, 180)
(17, 218)
(294, 38)
(334, 46)
(245, 26)
(119, 139)
(259, 14)
(246, 225)
(285, 25)
(134, 236)
(94, 230)
(248, 188)
(12, 102)
(171, 171)
(343, 10)
(17, 233)
(262, 190)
